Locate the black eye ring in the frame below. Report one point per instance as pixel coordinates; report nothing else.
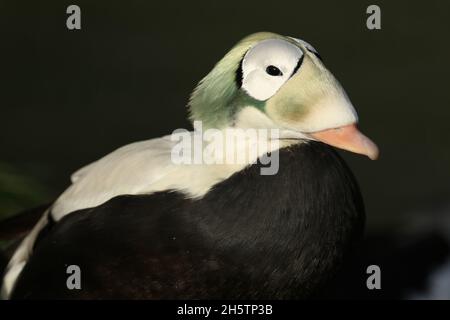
(273, 71)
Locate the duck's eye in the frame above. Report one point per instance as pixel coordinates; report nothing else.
(273, 71)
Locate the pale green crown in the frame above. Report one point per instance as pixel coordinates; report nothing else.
(216, 99)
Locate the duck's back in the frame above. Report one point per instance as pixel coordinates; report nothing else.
(250, 236)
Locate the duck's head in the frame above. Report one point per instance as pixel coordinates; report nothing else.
(278, 82)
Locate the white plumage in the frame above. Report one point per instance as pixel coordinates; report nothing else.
(139, 168)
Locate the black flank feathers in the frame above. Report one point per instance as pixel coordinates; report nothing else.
(251, 236)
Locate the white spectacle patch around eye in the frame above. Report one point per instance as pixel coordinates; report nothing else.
(281, 54)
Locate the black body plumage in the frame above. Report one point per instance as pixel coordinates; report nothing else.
(251, 236)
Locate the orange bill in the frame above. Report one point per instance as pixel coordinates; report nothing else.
(348, 138)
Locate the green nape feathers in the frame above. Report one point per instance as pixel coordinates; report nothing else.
(217, 97)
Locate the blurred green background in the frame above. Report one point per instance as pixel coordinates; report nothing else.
(70, 97)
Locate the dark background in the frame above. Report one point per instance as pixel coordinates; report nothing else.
(70, 97)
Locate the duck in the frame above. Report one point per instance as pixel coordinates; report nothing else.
(144, 222)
